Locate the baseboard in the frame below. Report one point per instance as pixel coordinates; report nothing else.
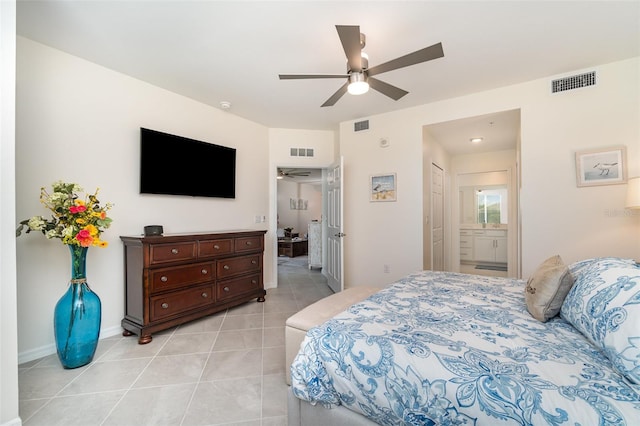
(47, 350)
(15, 422)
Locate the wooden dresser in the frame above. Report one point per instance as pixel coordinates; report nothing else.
(172, 279)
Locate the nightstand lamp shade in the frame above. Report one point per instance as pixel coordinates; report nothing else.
(633, 193)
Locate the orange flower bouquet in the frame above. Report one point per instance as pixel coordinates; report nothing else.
(75, 220)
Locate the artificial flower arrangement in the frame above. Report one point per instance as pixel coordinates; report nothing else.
(76, 221)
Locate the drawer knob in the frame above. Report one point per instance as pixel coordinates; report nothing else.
(165, 305)
(226, 267)
(226, 289)
(204, 294)
(164, 279)
(254, 282)
(204, 272)
(217, 247)
(174, 251)
(253, 262)
(248, 243)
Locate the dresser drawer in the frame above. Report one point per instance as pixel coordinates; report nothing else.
(238, 265)
(179, 301)
(210, 248)
(237, 286)
(172, 252)
(248, 244)
(466, 254)
(181, 276)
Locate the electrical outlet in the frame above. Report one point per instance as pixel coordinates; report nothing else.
(387, 269)
(258, 219)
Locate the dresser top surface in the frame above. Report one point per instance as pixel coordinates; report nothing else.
(194, 235)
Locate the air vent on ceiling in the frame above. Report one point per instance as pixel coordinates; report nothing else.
(361, 125)
(301, 152)
(573, 82)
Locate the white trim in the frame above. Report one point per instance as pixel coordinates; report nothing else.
(47, 350)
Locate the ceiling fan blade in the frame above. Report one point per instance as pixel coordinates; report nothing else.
(422, 55)
(334, 98)
(393, 92)
(350, 39)
(305, 76)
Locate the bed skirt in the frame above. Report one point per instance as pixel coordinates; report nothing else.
(301, 413)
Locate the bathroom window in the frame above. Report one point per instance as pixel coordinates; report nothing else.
(489, 207)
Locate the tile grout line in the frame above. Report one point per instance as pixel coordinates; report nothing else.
(126, 392)
(51, 398)
(206, 362)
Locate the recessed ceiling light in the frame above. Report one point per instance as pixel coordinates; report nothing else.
(476, 140)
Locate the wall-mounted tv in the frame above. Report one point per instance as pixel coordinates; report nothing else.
(176, 165)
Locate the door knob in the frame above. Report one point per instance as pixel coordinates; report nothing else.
(340, 235)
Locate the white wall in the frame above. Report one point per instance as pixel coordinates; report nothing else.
(312, 193)
(295, 218)
(557, 216)
(79, 122)
(382, 233)
(287, 217)
(8, 316)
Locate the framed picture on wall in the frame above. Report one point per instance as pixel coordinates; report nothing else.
(383, 187)
(605, 166)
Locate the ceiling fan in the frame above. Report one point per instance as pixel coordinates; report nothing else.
(359, 76)
(292, 173)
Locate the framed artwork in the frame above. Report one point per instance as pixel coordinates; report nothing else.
(383, 187)
(606, 166)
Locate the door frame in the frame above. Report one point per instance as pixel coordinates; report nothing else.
(273, 222)
(445, 222)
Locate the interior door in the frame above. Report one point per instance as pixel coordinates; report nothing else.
(335, 234)
(437, 215)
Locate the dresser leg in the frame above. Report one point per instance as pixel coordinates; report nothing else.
(127, 333)
(143, 340)
(261, 299)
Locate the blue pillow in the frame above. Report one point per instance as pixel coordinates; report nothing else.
(604, 305)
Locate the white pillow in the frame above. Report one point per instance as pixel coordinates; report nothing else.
(604, 305)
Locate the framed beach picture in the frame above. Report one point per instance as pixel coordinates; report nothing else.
(605, 166)
(383, 187)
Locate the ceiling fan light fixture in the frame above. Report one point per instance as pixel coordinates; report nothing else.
(357, 84)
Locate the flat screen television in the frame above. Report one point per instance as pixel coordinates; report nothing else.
(176, 165)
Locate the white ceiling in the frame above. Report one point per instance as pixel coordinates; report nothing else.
(499, 131)
(233, 51)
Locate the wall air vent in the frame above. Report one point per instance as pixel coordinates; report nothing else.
(573, 82)
(301, 152)
(361, 125)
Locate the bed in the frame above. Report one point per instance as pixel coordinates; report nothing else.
(437, 348)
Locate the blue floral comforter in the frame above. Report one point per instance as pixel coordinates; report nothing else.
(447, 349)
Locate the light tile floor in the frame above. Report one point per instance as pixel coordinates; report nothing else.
(226, 369)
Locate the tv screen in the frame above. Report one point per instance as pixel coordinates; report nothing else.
(177, 165)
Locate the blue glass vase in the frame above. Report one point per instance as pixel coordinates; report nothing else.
(77, 316)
